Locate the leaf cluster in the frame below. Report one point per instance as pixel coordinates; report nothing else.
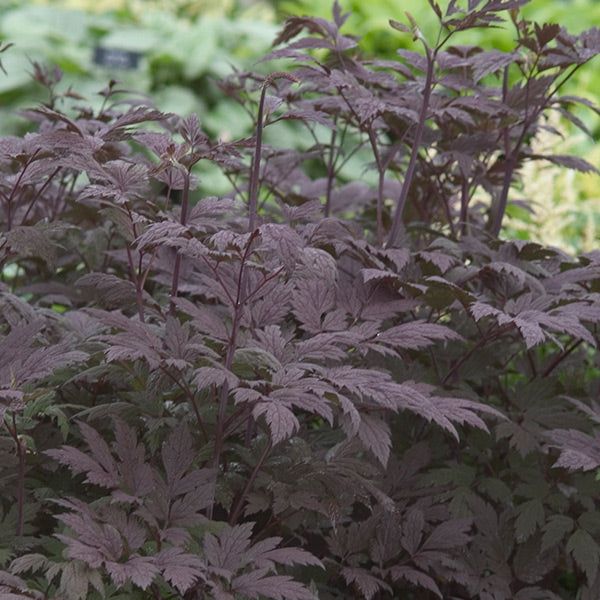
(308, 387)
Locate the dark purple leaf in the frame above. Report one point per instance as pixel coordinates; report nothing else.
(416, 335)
(415, 577)
(140, 570)
(180, 569)
(281, 421)
(367, 584)
(276, 587)
(578, 450)
(375, 435)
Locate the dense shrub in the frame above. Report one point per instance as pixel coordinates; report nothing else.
(314, 385)
(568, 217)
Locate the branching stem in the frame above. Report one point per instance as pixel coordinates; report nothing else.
(255, 167)
(397, 221)
(237, 508)
(20, 451)
(183, 220)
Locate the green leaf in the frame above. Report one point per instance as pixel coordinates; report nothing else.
(200, 44)
(531, 516)
(28, 562)
(585, 552)
(30, 24)
(522, 440)
(74, 580)
(496, 489)
(255, 359)
(555, 529)
(17, 67)
(590, 521)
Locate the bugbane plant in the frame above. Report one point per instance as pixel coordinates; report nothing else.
(315, 386)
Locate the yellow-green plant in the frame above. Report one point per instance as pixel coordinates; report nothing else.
(563, 205)
(186, 8)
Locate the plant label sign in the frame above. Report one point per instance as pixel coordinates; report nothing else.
(116, 58)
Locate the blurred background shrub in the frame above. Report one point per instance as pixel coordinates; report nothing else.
(562, 207)
(182, 45)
